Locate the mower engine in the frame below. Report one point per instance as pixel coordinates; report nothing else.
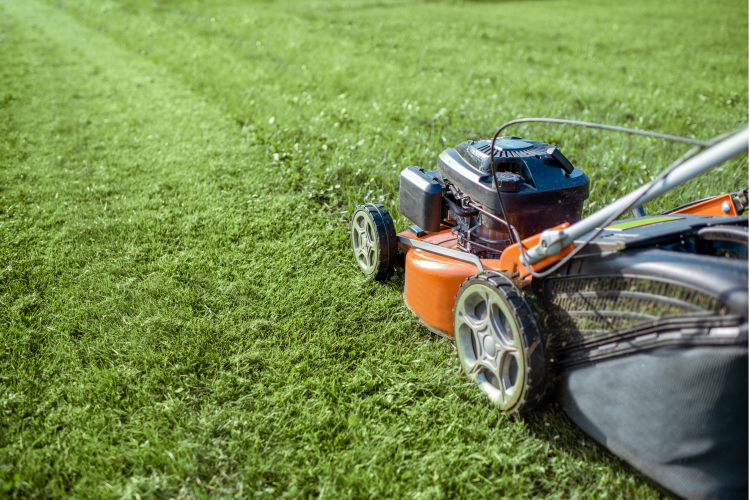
(539, 186)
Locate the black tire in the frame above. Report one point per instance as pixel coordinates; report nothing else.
(490, 309)
(374, 243)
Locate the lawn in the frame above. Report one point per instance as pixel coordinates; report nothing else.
(179, 312)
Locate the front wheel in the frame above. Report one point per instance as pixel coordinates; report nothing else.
(499, 344)
(374, 243)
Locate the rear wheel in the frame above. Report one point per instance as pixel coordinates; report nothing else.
(499, 344)
(374, 243)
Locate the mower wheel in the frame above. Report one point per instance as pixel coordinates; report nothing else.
(499, 344)
(374, 242)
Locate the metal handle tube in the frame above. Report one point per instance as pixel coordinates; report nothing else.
(431, 247)
(552, 242)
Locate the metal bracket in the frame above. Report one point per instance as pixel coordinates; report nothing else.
(638, 212)
(418, 231)
(431, 247)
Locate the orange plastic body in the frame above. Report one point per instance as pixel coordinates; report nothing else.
(432, 281)
(712, 206)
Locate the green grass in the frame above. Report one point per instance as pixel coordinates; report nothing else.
(178, 311)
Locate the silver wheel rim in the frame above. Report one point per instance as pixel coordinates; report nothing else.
(364, 236)
(488, 340)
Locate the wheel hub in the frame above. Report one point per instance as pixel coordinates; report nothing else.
(489, 345)
(363, 243)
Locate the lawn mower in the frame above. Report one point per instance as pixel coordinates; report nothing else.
(638, 326)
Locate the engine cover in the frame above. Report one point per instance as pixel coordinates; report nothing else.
(548, 190)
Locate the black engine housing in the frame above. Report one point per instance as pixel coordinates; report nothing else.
(547, 195)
